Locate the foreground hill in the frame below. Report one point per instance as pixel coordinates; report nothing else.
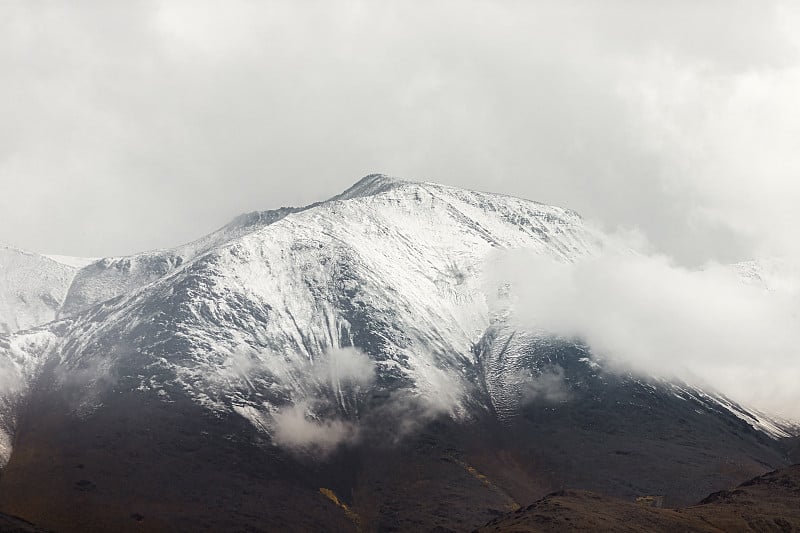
(770, 502)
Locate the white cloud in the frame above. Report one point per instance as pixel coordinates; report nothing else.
(547, 386)
(346, 366)
(647, 314)
(318, 420)
(294, 427)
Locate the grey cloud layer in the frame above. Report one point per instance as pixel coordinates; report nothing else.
(145, 124)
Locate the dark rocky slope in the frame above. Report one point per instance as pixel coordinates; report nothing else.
(770, 502)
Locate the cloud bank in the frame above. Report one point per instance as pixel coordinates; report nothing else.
(642, 312)
(144, 124)
(548, 386)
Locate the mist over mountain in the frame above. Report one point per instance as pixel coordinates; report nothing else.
(405, 355)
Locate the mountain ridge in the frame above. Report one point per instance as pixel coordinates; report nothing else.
(379, 210)
(377, 195)
(345, 341)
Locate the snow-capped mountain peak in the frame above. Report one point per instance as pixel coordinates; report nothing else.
(370, 185)
(375, 296)
(390, 267)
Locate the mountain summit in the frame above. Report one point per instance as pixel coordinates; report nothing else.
(390, 267)
(347, 342)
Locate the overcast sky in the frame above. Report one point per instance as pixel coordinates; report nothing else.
(134, 125)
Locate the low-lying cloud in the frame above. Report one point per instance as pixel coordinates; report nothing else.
(344, 366)
(317, 423)
(646, 314)
(294, 427)
(548, 386)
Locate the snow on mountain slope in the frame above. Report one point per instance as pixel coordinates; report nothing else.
(32, 288)
(113, 276)
(89, 281)
(22, 357)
